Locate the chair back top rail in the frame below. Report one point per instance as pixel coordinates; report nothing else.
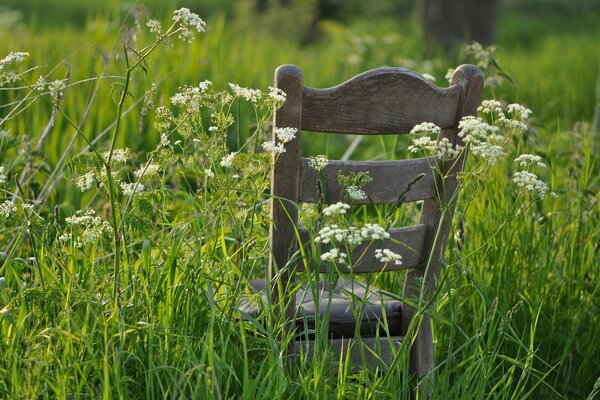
(379, 101)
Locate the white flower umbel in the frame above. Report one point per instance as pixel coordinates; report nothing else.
(93, 227)
(338, 208)
(277, 96)
(7, 74)
(387, 256)
(86, 181)
(57, 87)
(518, 111)
(527, 160)
(530, 182)
(227, 161)
(318, 162)
(119, 156)
(147, 170)
(188, 22)
(252, 95)
(425, 128)
(285, 135)
(334, 255)
(130, 189)
(2, 176)
(356, 193)
(374, 232)
(7, 208)
(272, 147)
(155, 26)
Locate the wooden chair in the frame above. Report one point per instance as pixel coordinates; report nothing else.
(380, 101)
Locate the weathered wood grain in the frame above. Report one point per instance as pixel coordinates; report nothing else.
(406, 241)
(393, 181)
(380, 101)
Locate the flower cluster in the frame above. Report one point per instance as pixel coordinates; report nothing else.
(93, 227)
(251, 95)
(7, 74)
(227, 161)
(2, 176)
(425, 128)
(318, 162)
(387, 256)
(130, 189)
(336, 209)
(7, 208)
(285, 135)
(351, 235)
(190, 98)
(334, 255)
(356, 193)
(188, 22)
(442, 148)
(526, 179)
(119, 156)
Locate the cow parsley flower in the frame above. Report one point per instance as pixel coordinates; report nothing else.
(7, 208)
(526, 160)
(155, 26)
(356, 193)
(336, 209)
(130, 189)
(252, 95)
(277, 96)
(57, 87)
(318, 162)
(272, 147)
(209, 173)
(85, 181)
(2, 176)
(93, 227)
(119, 156)
(334, 255)
(519, 111)
(425, 128)
(227, 161)
(387, 256)
(7, 75)
(286, 135)
(188, 21)
(529, 181)
(150, 169)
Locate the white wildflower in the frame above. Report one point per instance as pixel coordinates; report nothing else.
(318, 162)
(7, 208)
(272, 147)
(491, 107)
(530, 182)
(488, 152)
(2, 176)
(155, 26)
(286, 135)
(7, 75)
(164, 140)
(374, 232)
(474, 127)
(356, 193)
(526, 160)
(277, 96)
(93, 227)
(57, 87)
(147, 170)
(213, 128)
(85, 181)
(119, 156)
(209, 173)
(65, 237)
(252, 95)
(227, 161)
(130, 189)
(425, 128)
(513, 124)
(334, 255)
(519, 111)
(386, 256)
(188, 21)
(336, 209)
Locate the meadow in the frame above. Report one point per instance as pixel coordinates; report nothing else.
(125, 229)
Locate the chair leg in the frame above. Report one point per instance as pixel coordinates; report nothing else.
(422, 358)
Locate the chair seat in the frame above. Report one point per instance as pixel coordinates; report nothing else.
(349, 302)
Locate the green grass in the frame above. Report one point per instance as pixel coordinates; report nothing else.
(517, 314)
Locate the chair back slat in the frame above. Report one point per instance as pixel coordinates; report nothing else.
(380, 101)
(392, 181)
(406, 241)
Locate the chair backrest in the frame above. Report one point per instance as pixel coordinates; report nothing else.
(379, 101)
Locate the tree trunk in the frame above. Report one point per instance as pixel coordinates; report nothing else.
(447, 23)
